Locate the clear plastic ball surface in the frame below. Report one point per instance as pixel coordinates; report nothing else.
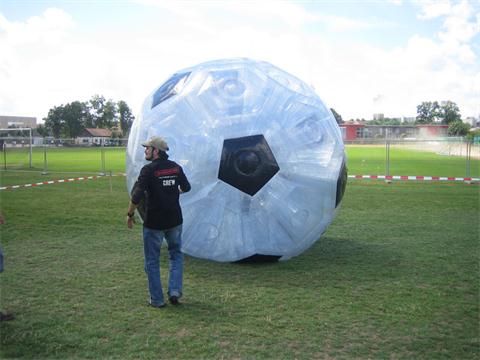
(263, 154)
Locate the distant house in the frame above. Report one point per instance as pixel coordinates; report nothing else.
(93, 136)
(362, 131)
(431, 130)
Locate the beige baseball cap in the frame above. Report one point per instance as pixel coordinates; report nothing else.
(156, 142)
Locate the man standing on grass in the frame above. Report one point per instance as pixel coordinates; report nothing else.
(160, 184)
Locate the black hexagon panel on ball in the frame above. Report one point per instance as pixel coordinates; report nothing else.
(247, 163)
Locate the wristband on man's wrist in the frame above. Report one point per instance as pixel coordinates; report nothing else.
(130, 215)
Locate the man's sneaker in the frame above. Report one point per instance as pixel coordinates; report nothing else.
(174, 300)
(6, 316)
(158, 306)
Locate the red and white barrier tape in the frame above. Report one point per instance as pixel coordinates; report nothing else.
(418, 178)
(373, 177)
(49, 182)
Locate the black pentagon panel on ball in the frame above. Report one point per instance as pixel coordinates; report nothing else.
(259, 259)
(247, 163)
(341, 183)
(168, 89)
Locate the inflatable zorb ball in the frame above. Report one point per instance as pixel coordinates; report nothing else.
(263, 154)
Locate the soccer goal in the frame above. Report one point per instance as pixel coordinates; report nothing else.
(16, 147)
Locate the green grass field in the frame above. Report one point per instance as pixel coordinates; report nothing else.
(371, 160)
(66, 159)
(394, 276)
(362, 160)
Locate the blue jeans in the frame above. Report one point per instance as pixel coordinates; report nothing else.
(152, 242)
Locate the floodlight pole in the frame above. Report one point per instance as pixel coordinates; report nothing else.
(31, 145)
(387, 157)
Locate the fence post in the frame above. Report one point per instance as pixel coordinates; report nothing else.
(102, 151)
(45, 166)
(4, 145)
(468, 158)
(387, 159)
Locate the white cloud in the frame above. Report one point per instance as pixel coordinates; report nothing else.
(340, 23)
(431, 9)
(62, 65)
(461, 23)
(460, 27)
(279, 11)
(50, 28)
(287, 12)
(267, 11)
(25, 45)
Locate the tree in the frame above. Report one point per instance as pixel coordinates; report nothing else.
(74, 117)
(449, 112)
(67, 120)
(385, 121)
(109, 118)
(89, 117)
(125, 117)
(71, 119)
(103, 112)
(458, 128)
(13, 133)
(337, 116)
(96, 110)
(54, 121)
(42, 130)
(472, 134)
(427, 112)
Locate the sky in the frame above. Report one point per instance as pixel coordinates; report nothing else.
(361, 57)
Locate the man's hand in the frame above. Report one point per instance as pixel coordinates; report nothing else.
(130, 214)
(130, 221)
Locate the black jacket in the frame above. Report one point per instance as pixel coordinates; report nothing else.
(158, 184)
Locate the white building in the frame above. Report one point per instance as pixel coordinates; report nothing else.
(93, 136)
(17, 121)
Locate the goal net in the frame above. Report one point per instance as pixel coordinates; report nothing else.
(16, 148)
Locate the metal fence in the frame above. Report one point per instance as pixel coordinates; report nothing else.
(450, 157)
(65, 155)
(445, 157)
